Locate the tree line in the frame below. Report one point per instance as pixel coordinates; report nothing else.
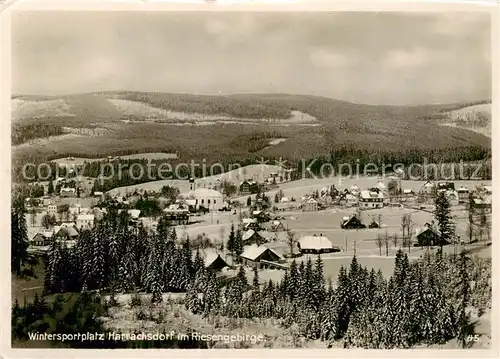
(426, 301)
(25, 132)
(447, 161)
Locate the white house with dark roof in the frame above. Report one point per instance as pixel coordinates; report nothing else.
(371, 199)
(316, 244)
(85, 221)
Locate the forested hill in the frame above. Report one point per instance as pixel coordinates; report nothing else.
(222, 127)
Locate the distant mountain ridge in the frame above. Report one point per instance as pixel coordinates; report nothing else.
(230, 126)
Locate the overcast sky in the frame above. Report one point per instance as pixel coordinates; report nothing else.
(378, 58)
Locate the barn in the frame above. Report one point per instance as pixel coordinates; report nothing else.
(352, 222)
(430, 237)
(259, 256)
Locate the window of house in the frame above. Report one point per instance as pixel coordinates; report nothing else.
(215, 201)
(208, 201)
(202, 201)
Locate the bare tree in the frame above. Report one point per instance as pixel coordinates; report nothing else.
(404, 241)
(395, 240)
(33, 217)
(386, 243)
(470, 229)
(291, 240)
(48, 221)
(379, 243)
(403, 224)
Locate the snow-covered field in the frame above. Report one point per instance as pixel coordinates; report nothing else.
(236, 176)
(24, 108)
(171, 316)
(471, 110)
(147, 112)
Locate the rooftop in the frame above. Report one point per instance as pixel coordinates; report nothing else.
(315, 242)
(253, 252)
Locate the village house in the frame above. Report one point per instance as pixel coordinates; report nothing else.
(277, 226)
(260, 216)
(51, 209)
(176, 214)
(463, 194)
(43, 238)
(316, 244)
(310, 205)
(85, 221)
(206, 198)
(429, 236)
(428, 187)
(248, 187)
(351, 222)
(212, 260)
(351, 200)
(66, 231)
(371, 199)
(215, 262)
(483, 204)
(408, 192)
(260, 257)
(374, 224)
(67, 192)
(445, 186)
(252, 237)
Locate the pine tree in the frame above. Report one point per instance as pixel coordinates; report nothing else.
(356, 285)
(295, 284)
(241, 278)
(255, 280)
(249, 201)
(318, 290)
(443, 217)
(342, 303)
(401, 302)
(154, 279)
(19, 238)
(211, 295)
(173, 236)
(464, 328)
(306, 284)
(238, 244)
(231, 240)
(50, 190)
(52, 281)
